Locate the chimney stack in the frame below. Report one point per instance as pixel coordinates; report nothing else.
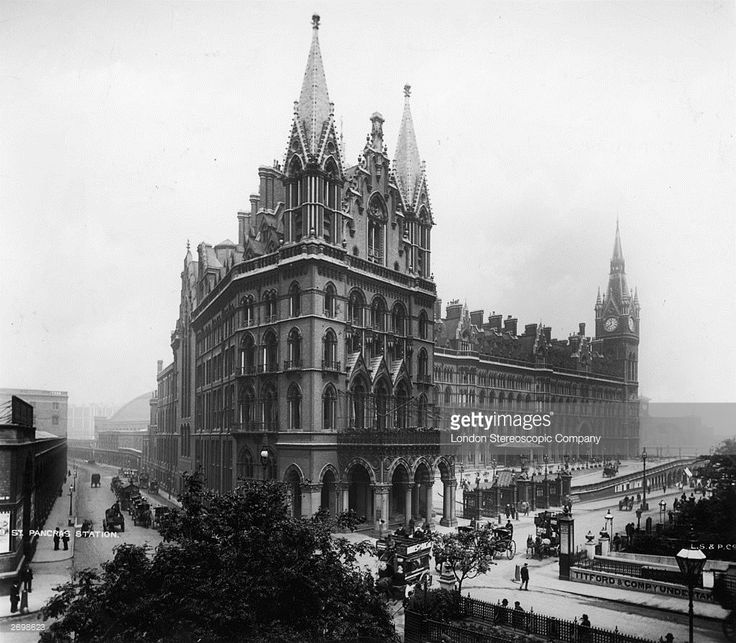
(510, 325)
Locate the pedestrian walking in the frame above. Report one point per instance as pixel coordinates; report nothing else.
(529, 546)
(65, 539)
(27, 578)
(508, 511)
(14, 598)
(664, 489)
(57, 538)
(525, 577)
(24, 601)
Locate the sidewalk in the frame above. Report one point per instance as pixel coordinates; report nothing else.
(50, 567)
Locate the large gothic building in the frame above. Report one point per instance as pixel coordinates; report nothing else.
(309, 351)
(589, 384)
(304, 350)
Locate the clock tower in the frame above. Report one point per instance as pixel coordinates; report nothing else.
(617, 320)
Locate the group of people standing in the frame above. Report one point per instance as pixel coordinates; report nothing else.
(63, 537)
(18, 595)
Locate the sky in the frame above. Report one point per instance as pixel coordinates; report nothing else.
(128, 128)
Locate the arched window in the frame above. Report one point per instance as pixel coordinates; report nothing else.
(270, 408)
(248, 311)
(245, 464)
(248, 355)
(329, 351)
(422, 415)
(376, 229)
(294, 349)
(481, 397)
(294, 300)
(358, 399)
(381, 406)
(330, 301)
(423, 363)
(327, 224)
(270, 352)
(246, 408)
(423, 325)
(378, 314)
(294, 405)
(356, 304)
(448, 395)
(398, 319)
(270, 304)
(329, 408)
(402, 405)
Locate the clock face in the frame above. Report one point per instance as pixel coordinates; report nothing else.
(611, 324)
(631, 324)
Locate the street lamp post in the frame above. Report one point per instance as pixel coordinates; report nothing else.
(644, 506)
(691, 562)
(264, 460)
(638, 519)
(609, 522)
(477, 500)
(546, 485)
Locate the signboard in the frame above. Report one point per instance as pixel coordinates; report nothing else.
(5, 530)
(637, 584)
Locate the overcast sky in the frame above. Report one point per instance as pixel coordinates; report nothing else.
(127, 128)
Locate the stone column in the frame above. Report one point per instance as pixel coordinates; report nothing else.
(428, 500)
(343, 499)
(380, 503)
(409, 487)
(448, 503)
(311, 497)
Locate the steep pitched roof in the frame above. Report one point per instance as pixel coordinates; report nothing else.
(313, 109)
(407, 163)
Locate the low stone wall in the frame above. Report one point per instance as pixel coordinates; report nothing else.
(647, 586)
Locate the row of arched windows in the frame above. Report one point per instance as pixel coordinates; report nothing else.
(262, 412)
(269, 352)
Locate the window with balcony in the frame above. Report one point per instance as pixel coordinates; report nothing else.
(294, 300)
(378, 314)
(270, 407)
(329, 351)
(294, 406)
(329, 408)
(398, 319)
(423, 325)
(356, 305)
(330, 301)
(270, 352)
(294, 349)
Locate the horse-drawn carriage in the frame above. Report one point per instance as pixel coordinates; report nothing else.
(547, 539)
(158, 515)
(403, 561)
(610, 469)
(503, 543)
(143, 480)
(113, 520)
(142, 514)
(626, 503)
(95, 481)
(153, 487)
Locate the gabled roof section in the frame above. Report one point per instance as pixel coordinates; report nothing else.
(399, 370)
(407, 163)
(314, 109)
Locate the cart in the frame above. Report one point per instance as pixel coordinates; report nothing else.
(113, 520)
(626, 504)
(95, 481)
(503, 543)
(409, 554)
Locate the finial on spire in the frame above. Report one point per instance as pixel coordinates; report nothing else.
(187, 245)
(315, 21)
(407, 91)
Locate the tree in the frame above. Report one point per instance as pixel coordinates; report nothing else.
(467, 553)
(232, 567)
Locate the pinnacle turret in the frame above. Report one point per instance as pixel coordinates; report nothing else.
(313, 109)
(407, 163)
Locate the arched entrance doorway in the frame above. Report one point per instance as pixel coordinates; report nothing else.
(293, 486)
(328, 497)
(360, 498)
(397, 498)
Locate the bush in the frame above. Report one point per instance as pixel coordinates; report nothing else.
(441, 604)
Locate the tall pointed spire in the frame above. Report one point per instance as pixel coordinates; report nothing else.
(313, 108)
(618, 255)
(407, 164)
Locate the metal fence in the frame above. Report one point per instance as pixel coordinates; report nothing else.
(481, 621)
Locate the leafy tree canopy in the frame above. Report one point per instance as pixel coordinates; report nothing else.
(466, 554)
(232, 567)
